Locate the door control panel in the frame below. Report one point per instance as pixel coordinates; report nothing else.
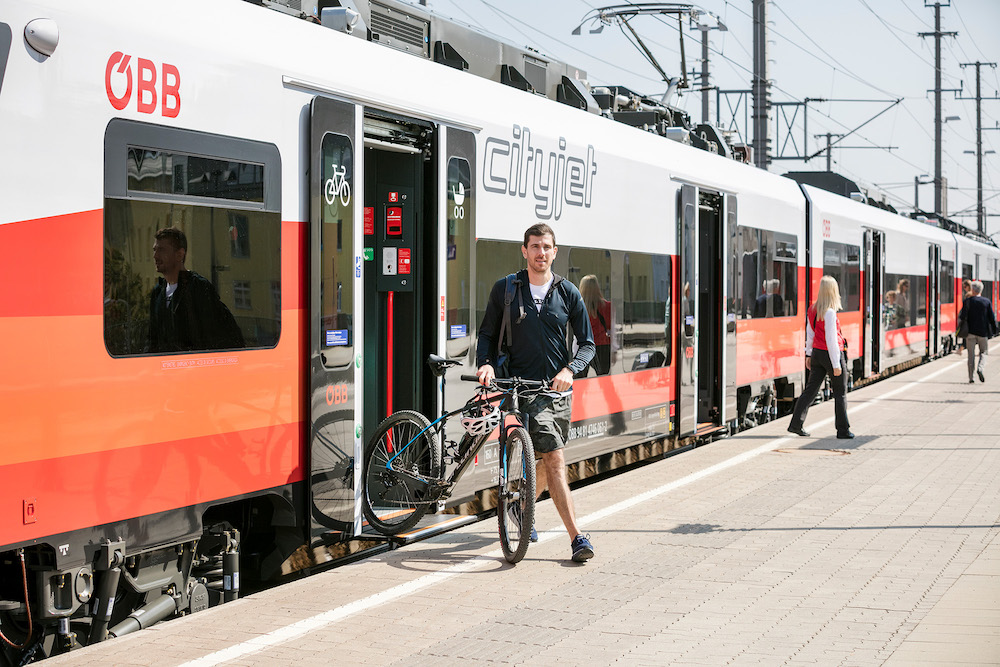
(394, 232)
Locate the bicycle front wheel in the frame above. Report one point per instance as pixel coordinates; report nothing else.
(402, 462)
(516, 497)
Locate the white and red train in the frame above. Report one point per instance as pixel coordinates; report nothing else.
(352, 204)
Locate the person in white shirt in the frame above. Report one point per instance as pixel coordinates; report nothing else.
(825, 356)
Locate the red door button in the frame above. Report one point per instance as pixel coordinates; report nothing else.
(394, 221)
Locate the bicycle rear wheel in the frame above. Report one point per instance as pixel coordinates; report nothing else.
(396, 482)
(516, 497)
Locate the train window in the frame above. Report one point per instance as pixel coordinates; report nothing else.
(784, 276)
(336, 239)
(843, 262)
(494, 260)
(645, 312)
(223, 241)
(176, 173)
(947, 281)
(907, 296)
(766, 273)
(967, 272)
(459, 250)
(750, 272)
(590, 271)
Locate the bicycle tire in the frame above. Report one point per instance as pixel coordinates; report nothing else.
(389, 502)
(516, 495)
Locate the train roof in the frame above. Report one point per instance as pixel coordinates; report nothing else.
(421, 32)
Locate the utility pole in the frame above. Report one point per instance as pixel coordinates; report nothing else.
(760, 86)
(980, 211)
(829, 151)
(706, 87)
(939, 200)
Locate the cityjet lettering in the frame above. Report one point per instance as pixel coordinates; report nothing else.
(518, 167)
(144, 80)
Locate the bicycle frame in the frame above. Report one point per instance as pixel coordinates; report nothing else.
(469, 446)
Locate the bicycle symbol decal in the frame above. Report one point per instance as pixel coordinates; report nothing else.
(337, 186)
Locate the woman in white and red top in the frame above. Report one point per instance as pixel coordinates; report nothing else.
(825, 356)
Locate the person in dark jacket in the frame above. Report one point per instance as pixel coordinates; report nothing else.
(185, 312)
(977, 313)
(539, 352)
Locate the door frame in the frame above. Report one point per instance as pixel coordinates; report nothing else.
(874, 276)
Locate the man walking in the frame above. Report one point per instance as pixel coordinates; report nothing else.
(977, 313)
(538, 351)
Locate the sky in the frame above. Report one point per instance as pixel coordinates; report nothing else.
(842, 50)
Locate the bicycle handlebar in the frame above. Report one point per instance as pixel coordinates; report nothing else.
(510, 383)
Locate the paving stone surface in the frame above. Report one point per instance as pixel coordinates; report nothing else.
(880, 550)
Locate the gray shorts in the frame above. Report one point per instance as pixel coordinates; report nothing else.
(548, 421)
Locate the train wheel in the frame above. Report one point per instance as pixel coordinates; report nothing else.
(516, 498)
(402, 459)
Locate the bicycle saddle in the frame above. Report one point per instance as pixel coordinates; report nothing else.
(439, 364)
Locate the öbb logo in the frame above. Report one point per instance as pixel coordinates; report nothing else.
(144, 81)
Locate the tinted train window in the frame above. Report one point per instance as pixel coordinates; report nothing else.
(337, 271)
(590, 271)
(225, 209)
(645, 312)
(947, 281)
(750, 272)
(784, 276)
(459, 270)
(494, 260)
(166, 172)
(766, 273)
(905, 300)
(843, 262)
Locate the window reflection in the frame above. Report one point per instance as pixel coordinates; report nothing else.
(843, 262)
(590, 270)
(766, 273)
(245, 285)
(645, 317)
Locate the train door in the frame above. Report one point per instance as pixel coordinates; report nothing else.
(401, 286)
(934, 300)
(335, 328)
(874, 279)
(701, 364)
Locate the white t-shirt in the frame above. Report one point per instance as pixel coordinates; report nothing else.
(171, 288)
(538, 293)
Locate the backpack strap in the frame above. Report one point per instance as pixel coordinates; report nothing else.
(513, 286)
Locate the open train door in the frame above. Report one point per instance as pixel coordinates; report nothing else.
(934, 300)
(401, 287)
(335, 330)
(874, 278)
(700, 364)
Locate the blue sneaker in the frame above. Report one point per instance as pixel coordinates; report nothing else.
(534, 534)
(582, 549)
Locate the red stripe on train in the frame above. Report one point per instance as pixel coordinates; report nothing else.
(74, 492)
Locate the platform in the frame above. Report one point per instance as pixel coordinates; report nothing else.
(762, 549)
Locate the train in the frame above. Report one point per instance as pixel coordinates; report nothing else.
(352, 185)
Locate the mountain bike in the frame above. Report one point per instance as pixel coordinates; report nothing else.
(410, 464)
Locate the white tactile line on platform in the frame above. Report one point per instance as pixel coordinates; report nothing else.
(300, 628)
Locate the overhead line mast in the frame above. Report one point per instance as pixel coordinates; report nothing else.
(980, 211)
(940, 199)
(761, 86)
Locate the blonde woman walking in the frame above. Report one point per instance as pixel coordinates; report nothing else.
(825, 356)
